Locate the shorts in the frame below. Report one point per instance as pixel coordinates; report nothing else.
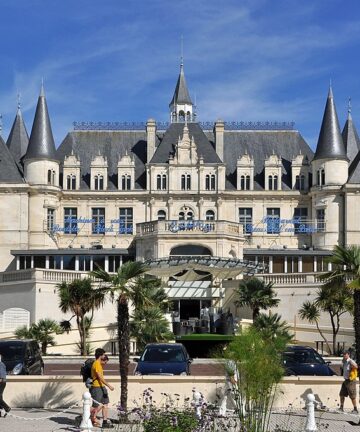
(99, 394)
(348, 388)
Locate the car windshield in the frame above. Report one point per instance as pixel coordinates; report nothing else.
(303, 356)
(12, 352)
(163, 354)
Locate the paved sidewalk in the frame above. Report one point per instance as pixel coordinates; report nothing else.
(58, 421)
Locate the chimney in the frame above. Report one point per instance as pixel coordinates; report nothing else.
(150, 137)
(219, 138)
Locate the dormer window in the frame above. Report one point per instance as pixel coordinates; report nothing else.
(300, 182)
(126, 182)
(273, 182)
(210, 182)
(161, 182)
(99, 182)
(51, 177)
(245, 182)
(71, 182)
(185, 182)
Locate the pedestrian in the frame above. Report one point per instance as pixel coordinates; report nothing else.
(98, 390)
(3, 404)
(348, 387)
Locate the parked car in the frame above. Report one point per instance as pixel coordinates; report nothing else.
(163, 359)
(304, 360)
(22, 357)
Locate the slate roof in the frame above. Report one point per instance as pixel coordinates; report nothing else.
(41, 143)
(170, 138)
(9, 172)
(260, 145)
(330, 144)
(18, 139)
(111, 144)
(351, 139)
(354, 170)
(181, 94)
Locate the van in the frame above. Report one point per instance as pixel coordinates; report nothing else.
(21, 357)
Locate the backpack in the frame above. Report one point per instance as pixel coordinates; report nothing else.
(85, 370)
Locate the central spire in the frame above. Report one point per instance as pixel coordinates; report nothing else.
(181, 105)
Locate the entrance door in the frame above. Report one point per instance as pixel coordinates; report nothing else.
(189, 309)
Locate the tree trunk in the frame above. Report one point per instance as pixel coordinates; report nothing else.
(256, 313)
(357, 323)
(124, 348)
(43, 348)
(79, 323)
(323, 336)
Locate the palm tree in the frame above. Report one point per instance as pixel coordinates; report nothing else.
(310, 311)
(80, 298)
(123, 284)
(42, 332)
(150, 325)
(256, 294)
(272, 327)
(346, 264)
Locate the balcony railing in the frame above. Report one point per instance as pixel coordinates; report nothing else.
(189, 227)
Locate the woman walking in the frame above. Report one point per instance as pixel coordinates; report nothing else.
(3, 404)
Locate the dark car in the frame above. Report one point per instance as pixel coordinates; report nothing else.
(163, 359)
(304, 360)
(21, 357)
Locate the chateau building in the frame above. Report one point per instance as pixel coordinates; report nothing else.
(237, 195)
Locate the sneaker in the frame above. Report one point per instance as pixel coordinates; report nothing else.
(354, 411)
(341, 409)
(107, 424)
(7, 411)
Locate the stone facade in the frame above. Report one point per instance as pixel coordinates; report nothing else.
(108, 196)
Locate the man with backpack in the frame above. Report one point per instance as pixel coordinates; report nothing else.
(98, 389)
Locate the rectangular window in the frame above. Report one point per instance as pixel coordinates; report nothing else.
(70, 220)
(278, 264)
(126, 220)
(84, 262)
(114, 263)
(273, 220)
(320, 220)
(246, 219)
(98, 217)
(300, 217)
(50, 219)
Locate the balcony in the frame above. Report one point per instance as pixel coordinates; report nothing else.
(191, 227)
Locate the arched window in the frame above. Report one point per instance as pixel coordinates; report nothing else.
(158, 182)
(181, 216)
(207, 182)
(273, 182)
(300, 182)
(99, 182)
(188, 182)
(126, 182)
(245, 182)
(51, 177)
(71, 182)
(210, 215)
(189, 215)
(181, 116)
(188, 116)
(320, 177)
(164, 182)
(161, 215)
(191, 249)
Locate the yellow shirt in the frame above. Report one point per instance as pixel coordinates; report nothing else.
(96, 368)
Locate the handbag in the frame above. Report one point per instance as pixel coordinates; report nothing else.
(353, 374)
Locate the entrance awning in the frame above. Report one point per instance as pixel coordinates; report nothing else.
(187, 267)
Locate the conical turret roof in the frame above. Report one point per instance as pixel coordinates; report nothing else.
(350, 138)
(18, 139)
(41, 143)
(181, 94)
(330, 144)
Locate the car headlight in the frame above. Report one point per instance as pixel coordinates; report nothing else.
(17, 369)
(183, 374)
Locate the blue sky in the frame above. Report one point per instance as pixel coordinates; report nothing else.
(114, 60)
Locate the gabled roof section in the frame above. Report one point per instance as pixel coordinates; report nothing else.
(41, 143)
(18, 139)
(260, 145)
(9, 172)
(113, 145)
(181, 94)
(350, 138)
(330, 144)
(167, 145)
